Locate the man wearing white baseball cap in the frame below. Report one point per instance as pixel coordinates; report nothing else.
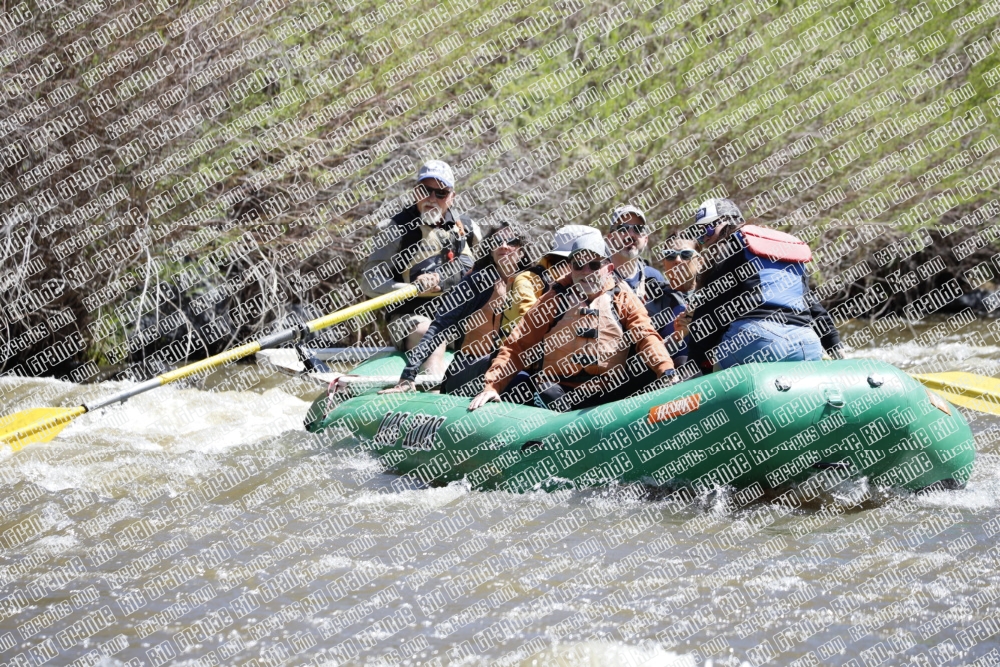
(427, 245)
(583, 327)
(552, 266)
(767, 313)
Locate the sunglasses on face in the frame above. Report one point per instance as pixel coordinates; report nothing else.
(593, 265)
(674, 255)
(513, 243)
(639, 229)
(434, 192)
(713, 227)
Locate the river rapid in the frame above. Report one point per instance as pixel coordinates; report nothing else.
(203, 526)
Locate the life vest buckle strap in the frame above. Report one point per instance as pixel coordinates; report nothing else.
(583, 343)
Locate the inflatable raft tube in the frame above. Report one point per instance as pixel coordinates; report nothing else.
(769, 424)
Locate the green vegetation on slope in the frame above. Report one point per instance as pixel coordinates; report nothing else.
(272, 152)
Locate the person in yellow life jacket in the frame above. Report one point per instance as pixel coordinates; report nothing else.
(579, 333)
(482, 310)
(428, 245)
(754, 304)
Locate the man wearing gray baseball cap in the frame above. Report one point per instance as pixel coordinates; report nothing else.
(427, 245)
(585, 327)
(628, 237)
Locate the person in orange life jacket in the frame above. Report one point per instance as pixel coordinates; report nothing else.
(552, 268)
(582, 328)
(681, 264)
(768, 313)
(427, 245)
(485, 307)
(627, 238)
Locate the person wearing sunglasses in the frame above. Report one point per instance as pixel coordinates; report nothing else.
(765, 311)
(578, 337)
(627, 238)
(427, 244)
(681, 264)
(487, 304)
(553, 266)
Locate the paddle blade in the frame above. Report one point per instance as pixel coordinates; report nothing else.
(35, 425)
(975, 392)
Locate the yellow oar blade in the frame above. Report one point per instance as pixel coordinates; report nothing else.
(976, 404)
(43, 424)
(975, 392)
(35, 425)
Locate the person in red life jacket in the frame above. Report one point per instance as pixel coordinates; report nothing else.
(482, 310)
(579, 334)
(627, 238)
(754, 305)
(428, 245)
(681, 265)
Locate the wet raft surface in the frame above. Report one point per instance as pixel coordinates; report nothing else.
(189, 526)
(766, 425)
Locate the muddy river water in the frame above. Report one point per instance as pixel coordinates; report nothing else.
(196, 527)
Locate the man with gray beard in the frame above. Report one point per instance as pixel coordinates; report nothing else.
(627, 238)
(427, 245)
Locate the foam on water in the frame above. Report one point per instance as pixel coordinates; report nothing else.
(908, 354)
(431, 498)
(982, 492)
(54, 477)
(53, 544)
(604, 653)
(25, 385)
(179, 420)
(161, 438)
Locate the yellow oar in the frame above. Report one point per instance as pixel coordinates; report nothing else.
(43, 424)
(975, 392)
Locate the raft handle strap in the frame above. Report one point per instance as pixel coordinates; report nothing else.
(834, 398)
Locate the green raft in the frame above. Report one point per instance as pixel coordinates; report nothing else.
(772, 425)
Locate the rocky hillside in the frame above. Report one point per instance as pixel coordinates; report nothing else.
(178, 176)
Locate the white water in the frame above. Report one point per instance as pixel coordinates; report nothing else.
(427, 575)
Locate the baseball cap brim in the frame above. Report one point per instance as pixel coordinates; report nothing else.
(594, 244)
(620, 213)
(440, 179)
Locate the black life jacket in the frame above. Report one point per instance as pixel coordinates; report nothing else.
(442, 244)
